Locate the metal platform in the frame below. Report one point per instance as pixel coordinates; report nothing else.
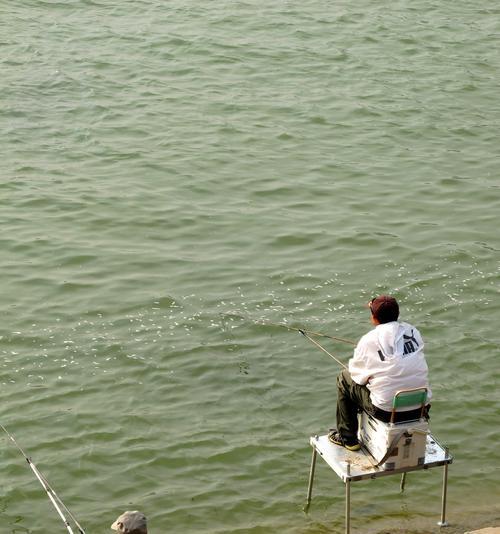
(360, 465)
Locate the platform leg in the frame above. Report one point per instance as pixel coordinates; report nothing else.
(348, 501)
(311, 479)
(403, 482)
(443, 522)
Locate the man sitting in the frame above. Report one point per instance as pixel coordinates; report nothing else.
(387, 359)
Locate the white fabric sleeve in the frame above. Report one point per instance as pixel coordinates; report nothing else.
(358, 364)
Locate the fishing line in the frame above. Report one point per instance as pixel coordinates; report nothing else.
(306, 333)
(282, 325)
(52, 495)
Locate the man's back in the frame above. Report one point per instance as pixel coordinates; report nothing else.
(390, 358)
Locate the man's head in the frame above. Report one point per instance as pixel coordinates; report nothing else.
(384, 309)
(131, 523)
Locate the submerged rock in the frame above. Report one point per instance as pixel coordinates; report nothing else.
(131, 523)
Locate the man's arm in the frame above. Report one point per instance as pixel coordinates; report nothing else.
(359, 367)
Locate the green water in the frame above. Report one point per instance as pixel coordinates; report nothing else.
(165, 163)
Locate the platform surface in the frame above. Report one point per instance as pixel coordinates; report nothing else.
(363, 466)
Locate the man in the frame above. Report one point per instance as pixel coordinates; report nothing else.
(387, 359)
(131, 523)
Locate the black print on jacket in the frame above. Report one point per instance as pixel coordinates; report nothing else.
(410, 344)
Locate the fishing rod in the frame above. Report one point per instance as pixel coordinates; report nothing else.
(54, 499)
(301, 330)
(304, 333)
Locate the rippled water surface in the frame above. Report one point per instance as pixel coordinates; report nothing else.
(172, 170)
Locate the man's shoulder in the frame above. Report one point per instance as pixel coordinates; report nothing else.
(409, 327)
(369, 337)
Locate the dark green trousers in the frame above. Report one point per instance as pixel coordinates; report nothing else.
(351, 398)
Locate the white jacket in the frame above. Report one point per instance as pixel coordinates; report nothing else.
(390, 358)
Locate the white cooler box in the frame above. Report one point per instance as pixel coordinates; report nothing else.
(378, 437)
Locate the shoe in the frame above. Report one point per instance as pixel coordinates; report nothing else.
(335, 438)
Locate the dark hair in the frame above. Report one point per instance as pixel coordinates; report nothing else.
(385, 309)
